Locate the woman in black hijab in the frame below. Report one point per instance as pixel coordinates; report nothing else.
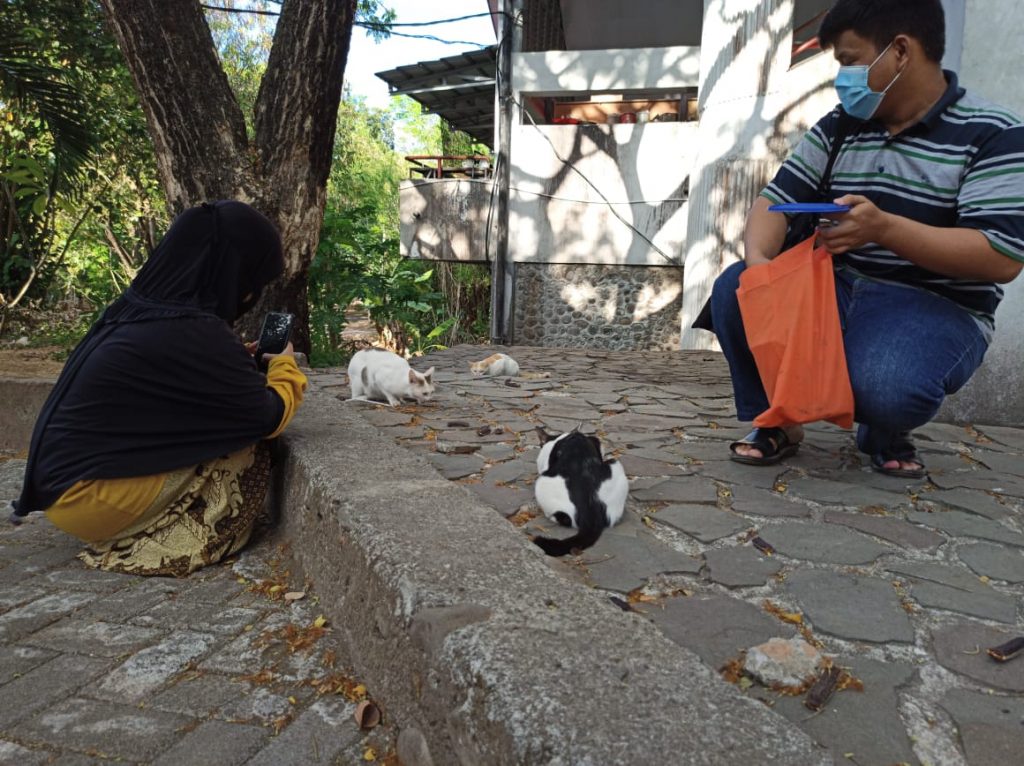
(146, 448)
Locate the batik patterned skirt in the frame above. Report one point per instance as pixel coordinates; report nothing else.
(202, 515)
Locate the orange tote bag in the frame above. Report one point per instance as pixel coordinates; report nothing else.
(791, 320)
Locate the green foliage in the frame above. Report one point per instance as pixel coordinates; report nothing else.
(78, 171)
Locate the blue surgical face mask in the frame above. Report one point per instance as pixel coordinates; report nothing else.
(854, 92)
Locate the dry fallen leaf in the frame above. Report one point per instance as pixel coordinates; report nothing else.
(294, 595)
(369, 754)
(320, 621)
(367, 715)
(793, 618)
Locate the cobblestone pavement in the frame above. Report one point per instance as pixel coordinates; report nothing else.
(904, 583)
(216, 669)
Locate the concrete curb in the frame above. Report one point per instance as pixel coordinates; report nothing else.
(21, 399)
(483, 654)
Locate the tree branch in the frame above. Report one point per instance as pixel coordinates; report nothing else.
(197, 127)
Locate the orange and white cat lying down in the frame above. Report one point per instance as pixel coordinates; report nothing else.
(494, 366)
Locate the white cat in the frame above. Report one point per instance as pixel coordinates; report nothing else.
(495, 365)
(376, 374)
(577, 488)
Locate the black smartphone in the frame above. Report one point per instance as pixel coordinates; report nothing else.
(274, 335)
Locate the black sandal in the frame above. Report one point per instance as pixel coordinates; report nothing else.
(902, 449)
(774, 444)
(879, 459)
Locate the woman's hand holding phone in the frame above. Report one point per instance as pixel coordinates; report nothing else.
(289, 350)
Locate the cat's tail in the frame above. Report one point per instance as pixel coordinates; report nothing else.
(589, 532)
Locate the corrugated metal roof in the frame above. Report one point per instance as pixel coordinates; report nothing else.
(458, 88)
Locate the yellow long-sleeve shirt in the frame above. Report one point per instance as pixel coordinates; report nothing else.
(97, 509)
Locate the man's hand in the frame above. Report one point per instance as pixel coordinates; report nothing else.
(862, 224)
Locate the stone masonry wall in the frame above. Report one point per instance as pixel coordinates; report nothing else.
(600, 307)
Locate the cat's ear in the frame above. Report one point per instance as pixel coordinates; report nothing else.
(597, 444)
(543, 435)
(412, 376)
(427, 374)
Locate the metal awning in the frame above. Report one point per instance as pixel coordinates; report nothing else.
(458, 88)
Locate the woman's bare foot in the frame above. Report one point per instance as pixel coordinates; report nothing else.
(794, 432)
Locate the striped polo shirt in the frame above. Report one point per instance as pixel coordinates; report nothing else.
(962, 165)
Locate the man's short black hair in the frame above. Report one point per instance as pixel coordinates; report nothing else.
(881, 20)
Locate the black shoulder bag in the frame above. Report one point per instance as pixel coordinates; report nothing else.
(801, 225)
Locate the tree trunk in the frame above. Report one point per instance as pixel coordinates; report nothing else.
(198, 129)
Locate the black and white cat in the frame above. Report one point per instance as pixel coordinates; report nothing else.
(577, 488)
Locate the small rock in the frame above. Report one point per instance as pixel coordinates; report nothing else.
(22, 341)
(783, 662)
(450, 448)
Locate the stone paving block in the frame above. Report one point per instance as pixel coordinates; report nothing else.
(16, 755)
(217, 586)
(260, 705)
(39, 613)
(215, 743)
(946, 586)
(631, 422)
(98, 639)
(739, 566)
(117, 731)
(202, 616)
(996, 561)
(455, 466)
(717, 628)
(971, 500)
(761, 503)
(1011, 437)
(384, 417)
(624, 561)
(505, 500)
(739, 475)
(470, 436)
(888, 528)
(703, 522)
(839, 493)
(496, 453)
(18, 660)
(961, 646)
(509, 472)
(854, 607)
(681, 414)
(44, 685)
(315, 737)
(960, 523)
(264, 648)
(718, 433)
(685, 489)
(999, 483)
(635, 465)
(81, 577)
(991, 727)
(816, 542)
(16, 595)
(858, 727)
(148, 670)
(133, 600)
(660, 455)
(198, 694)
(79, 759)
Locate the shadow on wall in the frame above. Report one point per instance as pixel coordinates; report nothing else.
(597, 306)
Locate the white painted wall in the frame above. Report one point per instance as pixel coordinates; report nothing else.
(754, 108)
(596, 24)
(558, 217)
(605, 71)
(990, 66)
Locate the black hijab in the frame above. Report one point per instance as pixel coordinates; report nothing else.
(161, 381)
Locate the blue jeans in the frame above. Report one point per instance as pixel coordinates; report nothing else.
(906, 349)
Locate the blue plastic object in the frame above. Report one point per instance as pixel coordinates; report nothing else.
(809, 207)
